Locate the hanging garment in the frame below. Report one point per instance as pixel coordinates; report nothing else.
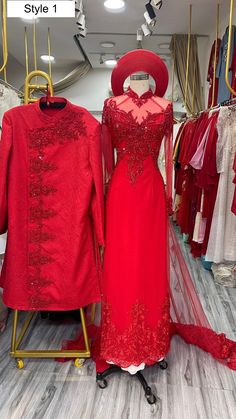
(222, 240)
(208, 177)
(51, 194)
(233, 68)
(223, 91)
(233, 208)
(8, 99)
(210, 73)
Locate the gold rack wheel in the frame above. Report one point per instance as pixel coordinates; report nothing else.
(20, 363)
(79, 362)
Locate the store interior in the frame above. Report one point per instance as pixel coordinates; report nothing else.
(79, 55)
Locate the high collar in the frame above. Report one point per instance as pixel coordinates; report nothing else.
(146, 95)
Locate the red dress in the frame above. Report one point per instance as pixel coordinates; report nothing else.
(51, 194)
(136, 310)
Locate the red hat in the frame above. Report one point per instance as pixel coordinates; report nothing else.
(140, 60)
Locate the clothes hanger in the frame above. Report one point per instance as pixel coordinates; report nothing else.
(52, 102)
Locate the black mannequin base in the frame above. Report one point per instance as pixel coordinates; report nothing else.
(151, 398)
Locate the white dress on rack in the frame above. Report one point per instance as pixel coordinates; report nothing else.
(222, 240)
(8, 99)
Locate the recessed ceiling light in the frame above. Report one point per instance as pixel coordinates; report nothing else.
(30, 19)
(164, 45)
(107, 44)
(47, 59)
(114, 4)
(110, 62)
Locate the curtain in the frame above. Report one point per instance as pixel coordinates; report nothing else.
(179, 47)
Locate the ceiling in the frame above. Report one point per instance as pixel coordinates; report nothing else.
(117, 27)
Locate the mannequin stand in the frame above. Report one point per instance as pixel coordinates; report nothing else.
(151, 398)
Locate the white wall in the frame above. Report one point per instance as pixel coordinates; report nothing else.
(91, 91)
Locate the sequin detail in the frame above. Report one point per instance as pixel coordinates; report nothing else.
(139, 342)
(61, 132)
(137, 141)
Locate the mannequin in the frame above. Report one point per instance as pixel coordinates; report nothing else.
(139, 83)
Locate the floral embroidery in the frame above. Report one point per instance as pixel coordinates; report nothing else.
(139, 342)
(137, 141)
(139, 100)
(60, 132)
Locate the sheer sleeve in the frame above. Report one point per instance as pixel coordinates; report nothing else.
(107, 148)
(169, 156)
(5, 148)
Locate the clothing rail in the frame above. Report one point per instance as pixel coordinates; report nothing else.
(229, 102)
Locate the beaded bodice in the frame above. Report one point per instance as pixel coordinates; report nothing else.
(137, 126)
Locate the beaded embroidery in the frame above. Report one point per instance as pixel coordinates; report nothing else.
(139, 100)
(137, 141)
(139, 342)
(60, 132)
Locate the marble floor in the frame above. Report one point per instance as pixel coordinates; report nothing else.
(194, 386)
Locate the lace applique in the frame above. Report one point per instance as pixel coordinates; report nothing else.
(139, 100)
(137, 141)
(63, 131)
(225, 143)
(139, 342)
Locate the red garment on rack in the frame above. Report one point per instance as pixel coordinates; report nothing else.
(191, 194)
(208, 178)
(51, 196)
(233, 67)
(210, 73)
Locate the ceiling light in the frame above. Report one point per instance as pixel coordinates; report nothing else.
(164, 45)
(79, 6)
(111, 62)
(81, 21)
(30, 19)
(107, 44)
(146, 30)
(139, 35)
(47, 58)
(150, 22)
(157, 3)
(83, 32)
(114, 4)
(150, 10)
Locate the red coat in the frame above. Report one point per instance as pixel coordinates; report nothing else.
(51, 195)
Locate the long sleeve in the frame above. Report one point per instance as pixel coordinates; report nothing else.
(169, 158)
(5, 149)
(107, 148)
(95, 157)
